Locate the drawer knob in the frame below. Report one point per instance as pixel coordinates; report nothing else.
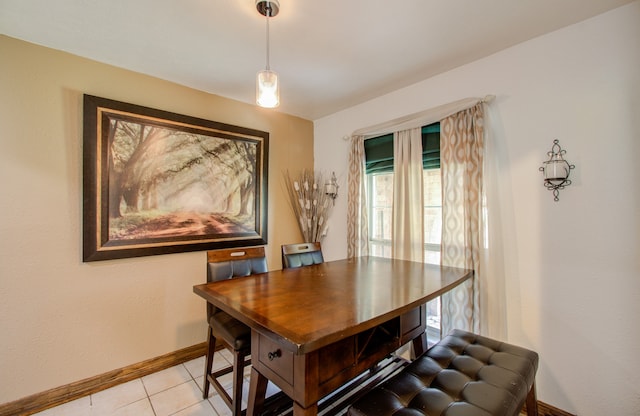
(274, 354)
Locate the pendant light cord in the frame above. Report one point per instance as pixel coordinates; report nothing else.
(267, 17)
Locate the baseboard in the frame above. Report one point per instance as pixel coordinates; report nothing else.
(59, 395)
(545, 409)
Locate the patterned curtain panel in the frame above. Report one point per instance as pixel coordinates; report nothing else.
(357, 222)
(461, 159)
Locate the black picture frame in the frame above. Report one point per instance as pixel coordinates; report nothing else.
(157, 182)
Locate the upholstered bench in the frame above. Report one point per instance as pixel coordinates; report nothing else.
(464, 374)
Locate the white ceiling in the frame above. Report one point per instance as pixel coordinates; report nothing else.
(330, 54)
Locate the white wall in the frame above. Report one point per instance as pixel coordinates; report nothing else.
(573, 291)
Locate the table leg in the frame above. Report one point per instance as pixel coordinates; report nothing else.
(257, 393)
(419, 345)
(301, 411)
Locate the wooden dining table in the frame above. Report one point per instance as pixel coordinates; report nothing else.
(314, 328)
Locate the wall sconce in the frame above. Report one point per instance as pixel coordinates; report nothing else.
(556, 170)
(331, 187)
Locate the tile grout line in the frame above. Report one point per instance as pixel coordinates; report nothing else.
(144, 386)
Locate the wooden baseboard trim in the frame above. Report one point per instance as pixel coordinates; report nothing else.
(545, 409)
(59, 395)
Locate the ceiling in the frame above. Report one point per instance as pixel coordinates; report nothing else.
(330, 54)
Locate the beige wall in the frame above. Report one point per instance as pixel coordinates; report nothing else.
(62, 320)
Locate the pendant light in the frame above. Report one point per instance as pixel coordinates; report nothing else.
(267, 86)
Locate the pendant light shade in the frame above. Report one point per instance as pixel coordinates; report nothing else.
(267, 91)
(267, 85)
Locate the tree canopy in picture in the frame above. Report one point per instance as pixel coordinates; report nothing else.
(166, 181)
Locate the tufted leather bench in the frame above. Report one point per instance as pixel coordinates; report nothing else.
(464, 374)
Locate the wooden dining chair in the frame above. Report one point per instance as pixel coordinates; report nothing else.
(221, 265)
(298, 255)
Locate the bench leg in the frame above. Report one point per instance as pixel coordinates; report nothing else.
(532, 401)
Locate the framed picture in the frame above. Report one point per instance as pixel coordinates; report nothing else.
(157, 182)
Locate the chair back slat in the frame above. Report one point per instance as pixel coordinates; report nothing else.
(229, 263)
(235, 262)
(299, 255)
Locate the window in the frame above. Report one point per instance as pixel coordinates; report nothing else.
(380, 191)
(379, 169)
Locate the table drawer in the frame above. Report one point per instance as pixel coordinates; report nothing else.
(275, 358)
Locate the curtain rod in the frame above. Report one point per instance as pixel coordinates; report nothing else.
(422, 118)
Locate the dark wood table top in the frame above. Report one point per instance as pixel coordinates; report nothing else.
(313, 306)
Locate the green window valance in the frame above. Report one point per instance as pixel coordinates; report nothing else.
(379, 150)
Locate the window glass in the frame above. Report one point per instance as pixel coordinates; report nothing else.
(432, 215)
(380, 202)
(380, 210)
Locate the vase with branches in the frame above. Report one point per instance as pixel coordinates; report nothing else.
(309, 202)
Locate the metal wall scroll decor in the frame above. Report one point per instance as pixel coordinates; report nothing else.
(556, 170)
(331, 187)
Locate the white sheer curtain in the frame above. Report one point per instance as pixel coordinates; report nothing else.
(498, 223)
(408, 207)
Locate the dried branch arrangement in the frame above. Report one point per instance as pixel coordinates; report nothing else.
(310, 204)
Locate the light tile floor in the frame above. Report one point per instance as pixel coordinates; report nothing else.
(175, 391)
